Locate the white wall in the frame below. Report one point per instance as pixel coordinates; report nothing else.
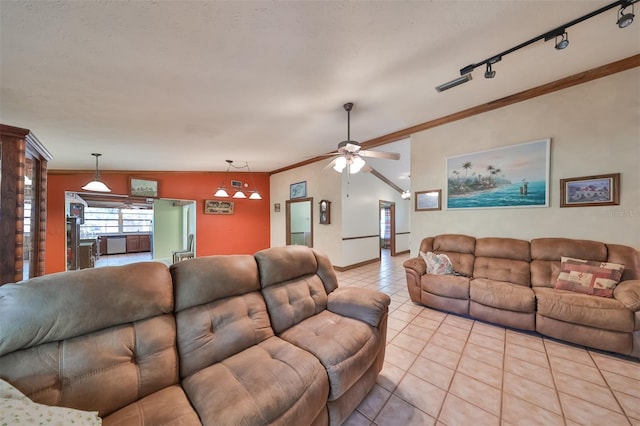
(594, 129)
(354, 212)
(321, 185)
(361, 217)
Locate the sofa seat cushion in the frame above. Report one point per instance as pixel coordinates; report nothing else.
(503, 295)
(167, 406)
(453, 286)
(592, 311)
(346, 347)
(271, 382)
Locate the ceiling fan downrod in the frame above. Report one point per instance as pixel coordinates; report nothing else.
(347, 107)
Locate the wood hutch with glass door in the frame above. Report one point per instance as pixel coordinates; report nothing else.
(23, 204)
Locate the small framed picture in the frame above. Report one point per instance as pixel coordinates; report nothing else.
(298, 190)
(599, 190)
(429, 200)
(77, 210)
(218, 207)
(276, 207)
(143, 187)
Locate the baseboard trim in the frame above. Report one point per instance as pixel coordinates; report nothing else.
(356, 265)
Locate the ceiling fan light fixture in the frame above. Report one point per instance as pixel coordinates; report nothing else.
(340, 164)
(356, 164)
(96, 184)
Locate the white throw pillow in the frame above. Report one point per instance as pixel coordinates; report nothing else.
(437, 264)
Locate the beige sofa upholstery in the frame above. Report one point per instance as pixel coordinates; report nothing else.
(264, 339)
(511, 282)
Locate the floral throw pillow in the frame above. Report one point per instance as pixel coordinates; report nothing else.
(16, 408)
(589, 277)
(437, 264)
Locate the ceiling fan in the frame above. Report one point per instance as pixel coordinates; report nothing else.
(350, 153)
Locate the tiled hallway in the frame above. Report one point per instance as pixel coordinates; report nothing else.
(445, 369)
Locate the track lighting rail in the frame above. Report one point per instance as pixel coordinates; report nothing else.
(624, 20)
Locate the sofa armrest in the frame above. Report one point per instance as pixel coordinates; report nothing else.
(363, 304)
(628, 292)
(415, 264)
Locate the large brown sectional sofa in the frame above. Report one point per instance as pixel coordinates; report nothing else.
(226, 340)
(511, 282)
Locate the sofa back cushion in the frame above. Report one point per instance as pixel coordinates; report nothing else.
(95, 339)
(459, 248)
(219, 309)
(627, 256)
(503, 259)
(546, 255)
(295, 283)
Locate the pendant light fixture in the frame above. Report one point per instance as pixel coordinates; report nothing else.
(96, 184)
(221, 192)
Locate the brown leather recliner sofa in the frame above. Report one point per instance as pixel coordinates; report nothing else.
(511, 282)
(224, 340)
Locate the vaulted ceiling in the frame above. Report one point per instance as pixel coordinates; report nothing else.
(185, 85)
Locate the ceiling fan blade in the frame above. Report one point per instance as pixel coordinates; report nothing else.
(330, 165)
(380, 154)
(366, 168)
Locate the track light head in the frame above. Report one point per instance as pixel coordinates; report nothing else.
(489, 73)
(563, 43)
(625, 19)
(453, 83)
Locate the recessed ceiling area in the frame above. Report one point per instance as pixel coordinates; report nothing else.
(182, 86)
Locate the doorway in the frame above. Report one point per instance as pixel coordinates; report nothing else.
(299, 217)
(387, 228)
(111, 229)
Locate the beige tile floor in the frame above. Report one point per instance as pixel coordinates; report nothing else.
(444, 369)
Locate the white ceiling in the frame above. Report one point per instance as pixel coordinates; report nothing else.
(185, 85)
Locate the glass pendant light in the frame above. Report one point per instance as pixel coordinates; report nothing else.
(96, 185)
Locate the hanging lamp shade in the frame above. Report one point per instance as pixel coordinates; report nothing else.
(255, 196)
(96, 184)
(239, 194)
(221, 192)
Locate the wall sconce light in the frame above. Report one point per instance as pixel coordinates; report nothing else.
(96, 184)
(221, 192)
(406, 195)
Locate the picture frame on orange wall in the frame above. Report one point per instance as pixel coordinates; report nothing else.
(139, 187)
(218, 207)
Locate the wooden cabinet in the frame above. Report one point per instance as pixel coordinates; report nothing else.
(138, 243)
(133, 243)
(145, 243)
(23, 211)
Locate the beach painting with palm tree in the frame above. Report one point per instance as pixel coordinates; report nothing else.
(510, 176)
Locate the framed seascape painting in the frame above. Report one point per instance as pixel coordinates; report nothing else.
(510, 176)
(600, 190)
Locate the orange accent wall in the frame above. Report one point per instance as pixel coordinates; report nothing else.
(243, 232)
